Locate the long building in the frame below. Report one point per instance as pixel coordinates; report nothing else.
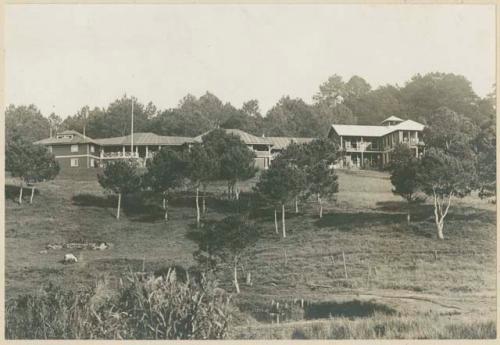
(371, 146)
(78, 154)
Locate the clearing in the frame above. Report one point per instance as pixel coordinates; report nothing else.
(396, 274)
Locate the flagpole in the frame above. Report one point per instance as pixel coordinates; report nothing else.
(132, 131)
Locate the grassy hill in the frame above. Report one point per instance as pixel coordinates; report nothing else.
(397, 281)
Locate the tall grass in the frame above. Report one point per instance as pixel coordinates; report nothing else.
(144, 307)
(378, 326)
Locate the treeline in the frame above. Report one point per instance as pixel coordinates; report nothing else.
(337, 101)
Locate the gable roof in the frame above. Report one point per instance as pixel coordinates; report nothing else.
(376, 131)
(247, 138)
(358, 131)
(392, 119)
(77, 138)
(144, 139)
(282, 142)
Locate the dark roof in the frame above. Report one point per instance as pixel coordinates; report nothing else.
(144, 139)
(282, 142)
(247, 138)
(77, 138)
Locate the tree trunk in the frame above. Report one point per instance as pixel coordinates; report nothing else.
(237, 192)
(236, 285)
(21, 194)
(32, 194)
(165, 207)
(320, 206)
(276, 220)
(203, 205)
(283, 219)
(249, 279)
(440, 226)
(439, 213)
(119, 205)
(296, 205)
(408, 214)
(197, 207)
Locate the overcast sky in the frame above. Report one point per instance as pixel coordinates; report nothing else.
(62, 57)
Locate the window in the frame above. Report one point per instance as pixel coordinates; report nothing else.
(92, 149)
(65, 136)
(92, 163)
(74, 162)
(74, 148)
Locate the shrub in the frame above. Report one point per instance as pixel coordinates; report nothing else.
(144, 307)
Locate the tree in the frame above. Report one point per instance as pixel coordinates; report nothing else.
(224, 241)
(292, 117)
(423, 94)
(31, 163)
(403, 167)
(165, 172)
(444, 176)
(281, 183)
(200, 168)
(251, 108)
(356, 87)
(331, 92)
(120, 177)
(235, 161)
(450, 132)
(55, 122)
(484, 145)
(26, 122)
(321, 179)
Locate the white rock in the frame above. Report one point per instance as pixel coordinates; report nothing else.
(70, 258)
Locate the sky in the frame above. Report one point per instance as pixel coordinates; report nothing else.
(63, 57)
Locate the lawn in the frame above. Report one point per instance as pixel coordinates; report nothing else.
(398, 277)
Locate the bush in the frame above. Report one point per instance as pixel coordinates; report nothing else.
(144, 307)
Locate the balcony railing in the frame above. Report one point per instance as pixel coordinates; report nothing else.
(362, 147)
(118, 155)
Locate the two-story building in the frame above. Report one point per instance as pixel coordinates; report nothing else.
(371, 146)
(79, 155)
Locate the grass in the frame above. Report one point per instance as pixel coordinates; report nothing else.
(441, 286)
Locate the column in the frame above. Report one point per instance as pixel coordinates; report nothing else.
(136, 151)
(147, 151)
(123, 151)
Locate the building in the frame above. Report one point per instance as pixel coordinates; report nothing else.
(371, 146)
(79, 155)
(265, 148)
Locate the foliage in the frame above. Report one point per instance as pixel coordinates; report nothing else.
(336, 101)
(200, 167)
(282, 182)
(403, 167)
(144, 307)
(166, 170)
(120, 176)
(26, 122)
(444, 176)
(113, 121)
(30, 162)
(220, 241)
(450, 132)
(234, 161)
(292, 117)
(484, 145)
